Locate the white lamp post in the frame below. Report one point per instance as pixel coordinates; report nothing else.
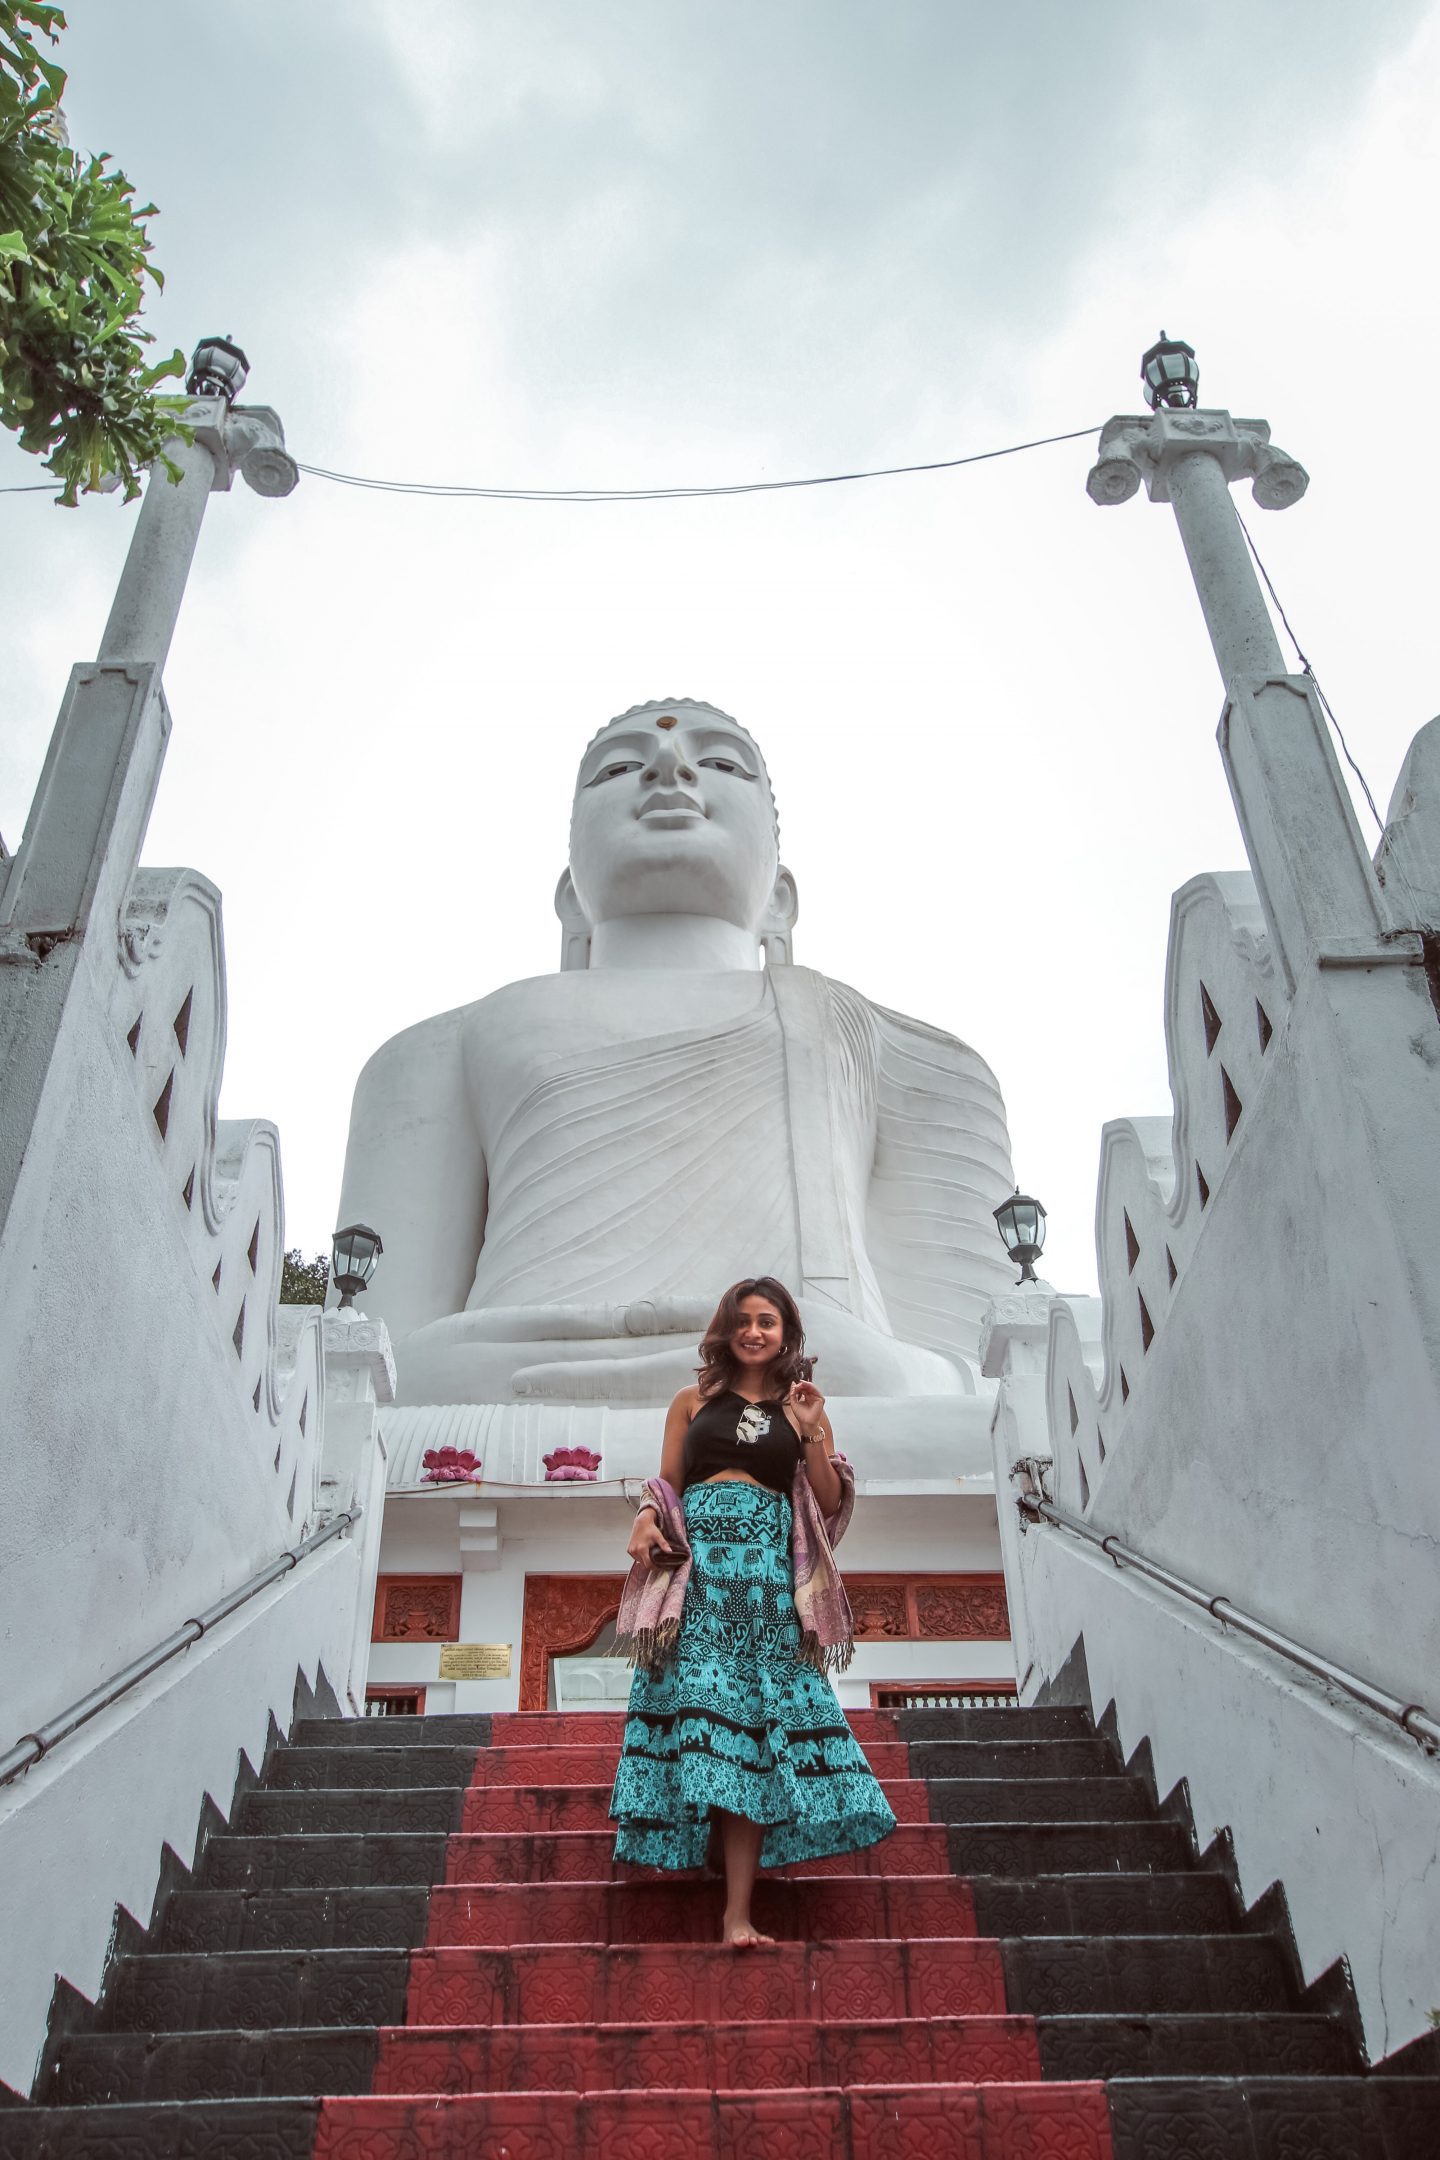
(1316, 882)
(228, 438)
(67, 884)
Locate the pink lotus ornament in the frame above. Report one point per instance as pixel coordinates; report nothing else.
(572, 1466)
(450, 1466)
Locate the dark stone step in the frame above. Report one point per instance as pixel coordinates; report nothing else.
(1056, 1976)
(105, 2069)
(417, 1809)
(1084, 1799)
(1103, 1905)
(1013, 1758)
(452, 1730)
(1419, 2057)
(198, 1991)
(166, 2130)
(1060, 1723)
(1200, 2044)
(364, 1918)
(110, 2068)
(125, 2067)
(1068, 1848)
(1260, 2118)
(1215, 2119)
(321, 1863)
(312, 1769)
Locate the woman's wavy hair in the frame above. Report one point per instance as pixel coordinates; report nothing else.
(719, 1367)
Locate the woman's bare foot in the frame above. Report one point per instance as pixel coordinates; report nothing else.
(742, 1840)
(740, 1934)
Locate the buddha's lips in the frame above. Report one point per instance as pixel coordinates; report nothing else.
(670, 807)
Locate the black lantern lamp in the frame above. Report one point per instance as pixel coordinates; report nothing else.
(1021, 1223)
(217, 369)
(1170, 375)
(355, 1252)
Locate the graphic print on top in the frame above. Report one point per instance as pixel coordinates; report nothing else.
(754, 1423)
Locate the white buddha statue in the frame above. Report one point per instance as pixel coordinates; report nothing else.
(568, 1172)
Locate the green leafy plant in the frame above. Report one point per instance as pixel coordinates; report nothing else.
(302, 1281)
(74, 257)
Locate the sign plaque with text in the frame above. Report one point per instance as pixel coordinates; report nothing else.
(475, 1660)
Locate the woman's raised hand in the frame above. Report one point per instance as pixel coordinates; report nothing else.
(806, 1405)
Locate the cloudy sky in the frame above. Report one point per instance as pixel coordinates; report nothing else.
(535, 242)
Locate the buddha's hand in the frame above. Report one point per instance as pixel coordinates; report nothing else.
(806, 1405)
(648, 1544)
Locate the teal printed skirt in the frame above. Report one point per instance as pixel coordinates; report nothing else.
(735, 1720)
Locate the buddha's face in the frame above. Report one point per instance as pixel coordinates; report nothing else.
(673, 816)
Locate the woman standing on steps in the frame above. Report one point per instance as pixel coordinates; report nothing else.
(734, 1612)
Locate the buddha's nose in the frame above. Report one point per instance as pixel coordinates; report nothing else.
(667, 765)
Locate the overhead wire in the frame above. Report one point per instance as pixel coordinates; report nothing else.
(678, 494)
(461, 489)
(1306, 666)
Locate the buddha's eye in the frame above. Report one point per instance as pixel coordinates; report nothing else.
(616, 771)
(726, 765)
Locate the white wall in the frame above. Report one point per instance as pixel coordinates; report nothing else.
(1279, 1438)
(1337, 1806)
(165, 1435)
(141, 1479)
(1253, 1403)
(85, 1829)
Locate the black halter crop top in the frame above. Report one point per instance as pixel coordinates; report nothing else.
(728, 1433)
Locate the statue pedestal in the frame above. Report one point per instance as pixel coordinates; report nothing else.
(905, 1444)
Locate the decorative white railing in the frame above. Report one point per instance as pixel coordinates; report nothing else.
(168, 1006)
(1225, 1010)
(1411, 1718)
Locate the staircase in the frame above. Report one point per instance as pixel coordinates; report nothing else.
(412, 1941)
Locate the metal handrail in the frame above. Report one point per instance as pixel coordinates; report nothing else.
(31, 1747)
(1410, 1717)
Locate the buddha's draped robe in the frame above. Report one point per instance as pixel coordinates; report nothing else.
(819, 1138)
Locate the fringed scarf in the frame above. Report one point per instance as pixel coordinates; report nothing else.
(648, 1625)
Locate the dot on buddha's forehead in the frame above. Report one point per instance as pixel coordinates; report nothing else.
(667, 720)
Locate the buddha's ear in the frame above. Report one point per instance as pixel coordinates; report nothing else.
(778, 920)
(574, 926)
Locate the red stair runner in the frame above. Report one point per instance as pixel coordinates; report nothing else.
(564, 2008)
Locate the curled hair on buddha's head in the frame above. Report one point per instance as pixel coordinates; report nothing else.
(719, 1367)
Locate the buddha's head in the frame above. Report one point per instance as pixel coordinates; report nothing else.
(673, 815)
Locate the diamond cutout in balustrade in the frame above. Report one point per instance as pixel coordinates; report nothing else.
(1211, 1019)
